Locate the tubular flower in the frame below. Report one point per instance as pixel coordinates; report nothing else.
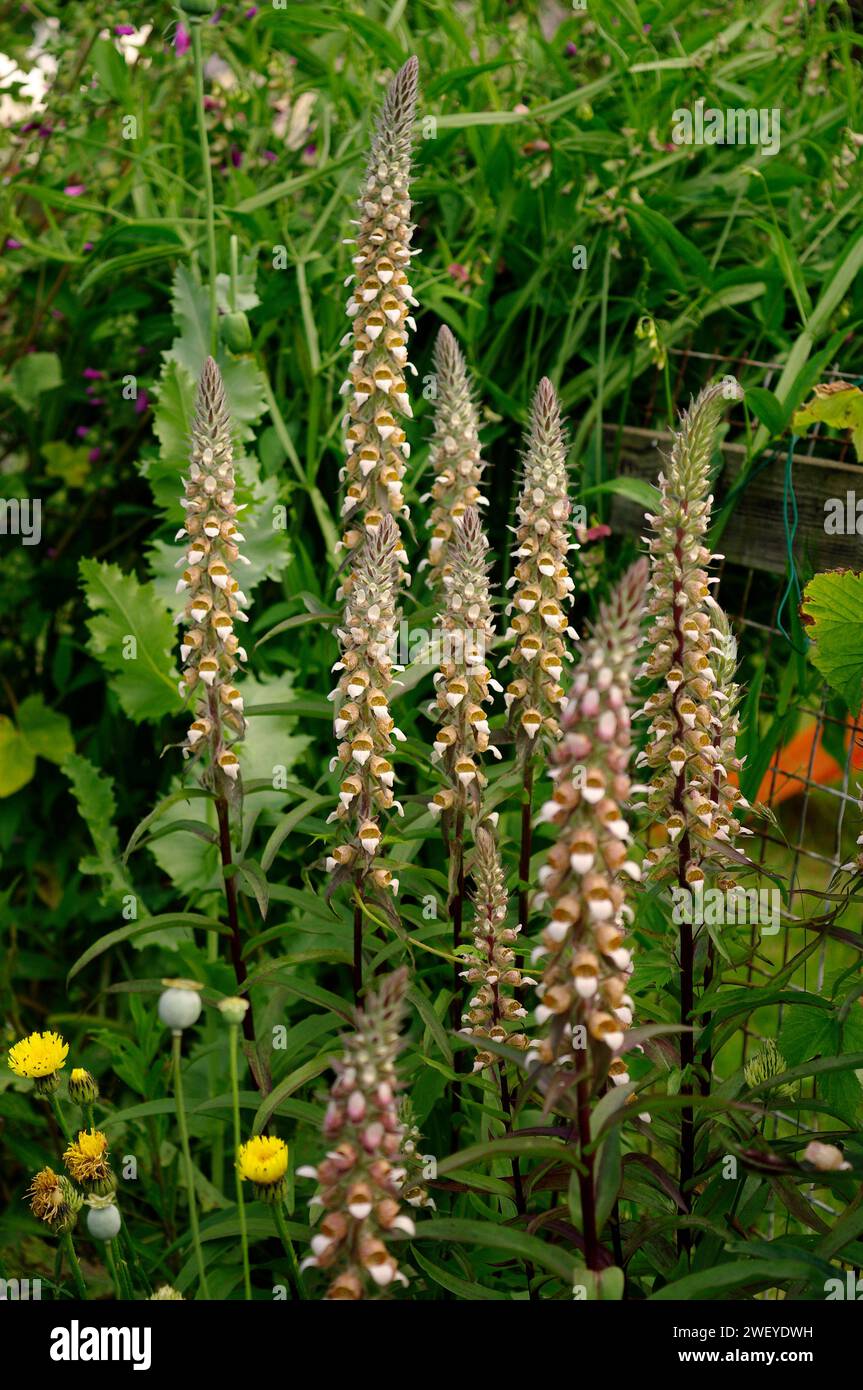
(40, 1056)
(363, 721)
(454, 454)
(361, 1178)
(263, 1160)
(54, 1200)
(492, 971)
(463, 681)
(583, 994)
(693, 725)
(541, 581)
(210, 649)
(87, 1161)
(413, 1190)
(379, 310)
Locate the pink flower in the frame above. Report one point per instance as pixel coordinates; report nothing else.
(92, 374)
(123, 29)
(142, 402)
(74, 190)
(182, 39)
(94, 455)
(457, 272)
(251, 12)
(12, 244)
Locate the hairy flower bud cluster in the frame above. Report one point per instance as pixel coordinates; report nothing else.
(379, 308)
(464, 682)
(361, 1178)
(210, 648)
(363, 723)
(414, 1190)
(692, 654)
(542, 583)
(584, 995)
(492, 972)
(454, 454)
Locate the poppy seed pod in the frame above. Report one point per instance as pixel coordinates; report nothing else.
(180, 1007)
(103, 1218)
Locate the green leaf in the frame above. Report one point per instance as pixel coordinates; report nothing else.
(48, 733)
(132, 637)
(767, 408)
(166, 921)
(461, 1231)
(633, 489)
(17, 759)
(462, 1288)
(31, 376)
(254, 883)
(837, 404)
(833, 605)
(286, 1087)
(738, 1274)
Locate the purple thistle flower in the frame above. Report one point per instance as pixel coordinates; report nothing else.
(142, 403)
(236, 156)
(93, 374)
(182, 40)
(12, 244)
(88, 246)
(251, 12)
(124, 29)
(94, 455)
(74, 190)
(82, 431)
(269, 155)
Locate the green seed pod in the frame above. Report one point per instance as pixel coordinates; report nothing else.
(198, 7)
(235, 331)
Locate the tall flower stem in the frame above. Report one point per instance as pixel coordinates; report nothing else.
(57, 1112)
(239, 964)
(586, 1176)
(187, 1159)
(241, 1205)
(295, 1277)
(358, 938)
(75, 1269)
(207, 170)
(526, 845)
(111, 1262)
(456, 850)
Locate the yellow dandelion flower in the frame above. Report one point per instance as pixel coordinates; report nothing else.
(264, 1161)
(41, 1054)
(86, 1157)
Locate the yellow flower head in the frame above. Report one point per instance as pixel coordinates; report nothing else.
(86, 1157)
(263, 1160)
(39, 1055)
(54, 1200)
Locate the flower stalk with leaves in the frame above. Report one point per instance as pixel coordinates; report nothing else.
(454, 454)
(585, 1006)
(690, 744)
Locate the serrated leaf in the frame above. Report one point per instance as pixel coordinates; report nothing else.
(141, 672)
(833, 604)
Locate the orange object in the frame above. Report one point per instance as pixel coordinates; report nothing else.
(797, 761)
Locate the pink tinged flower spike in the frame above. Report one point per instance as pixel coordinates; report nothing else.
(492, 973)
(691, 742)
(455, 452)
(211, 649)
(363, 725)
(542, 584)
(584, 1000)
(361, 1180)
(379, 309)
(464, 683)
